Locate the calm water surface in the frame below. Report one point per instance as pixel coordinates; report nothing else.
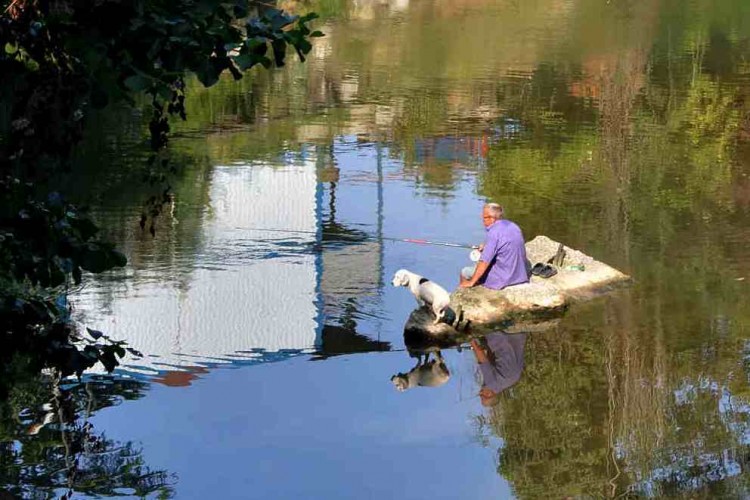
(619, 128)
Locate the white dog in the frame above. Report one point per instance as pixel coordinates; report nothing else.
(426, 291)
(430, 373)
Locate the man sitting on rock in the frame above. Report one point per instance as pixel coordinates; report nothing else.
(503, 260)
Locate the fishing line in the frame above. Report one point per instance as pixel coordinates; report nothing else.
(363, 237)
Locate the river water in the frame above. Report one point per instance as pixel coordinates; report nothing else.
(620, 128)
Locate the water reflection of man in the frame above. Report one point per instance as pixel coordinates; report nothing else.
(500, 358)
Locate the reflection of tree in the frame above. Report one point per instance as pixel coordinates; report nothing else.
(49, 447)
(400, 82)
(548, 423)
(665, 178)
(110, 173)
(600, 412)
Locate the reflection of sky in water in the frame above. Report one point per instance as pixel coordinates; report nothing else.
(333, 429)
(234, 298)
(248, 293)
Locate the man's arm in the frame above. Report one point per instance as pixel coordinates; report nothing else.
(488, 249)
(478, 352)
(482, 267)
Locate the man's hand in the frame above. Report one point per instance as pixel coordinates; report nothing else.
(478, 273)
(481, 247)
(464, 283)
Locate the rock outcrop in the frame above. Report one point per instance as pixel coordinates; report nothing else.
(579, 277)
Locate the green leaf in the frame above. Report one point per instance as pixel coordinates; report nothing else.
(119, 258)
(109, 360)
(85, 227)
(91, 352)
(137, 83)
(31, 65)
(207, 74)
(279, 51)
(244, 61)
(240, 10)
(77, 275)
(134, 352)
(308, 17)
(96, 334)
(236, 74)
(164, 92)
(56, 275)
(279, 19)
(96, 261)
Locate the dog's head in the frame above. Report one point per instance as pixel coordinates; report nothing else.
(401, 278)
(400, 381)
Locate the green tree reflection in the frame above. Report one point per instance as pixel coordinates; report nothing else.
(48, 446)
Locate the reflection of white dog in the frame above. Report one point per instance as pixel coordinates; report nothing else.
(426, 291)
(431, 373)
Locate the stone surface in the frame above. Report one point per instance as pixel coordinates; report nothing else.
(536, 301)
(597, 278)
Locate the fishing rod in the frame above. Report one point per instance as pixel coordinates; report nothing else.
(365, 236)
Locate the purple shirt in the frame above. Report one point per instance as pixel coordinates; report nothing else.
(505, 364)
(505, 252)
